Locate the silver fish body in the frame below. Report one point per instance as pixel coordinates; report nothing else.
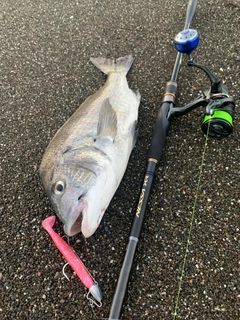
(86, 160)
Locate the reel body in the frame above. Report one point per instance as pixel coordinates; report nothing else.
(218, 117)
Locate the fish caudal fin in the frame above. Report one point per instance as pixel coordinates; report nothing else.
(122, 64)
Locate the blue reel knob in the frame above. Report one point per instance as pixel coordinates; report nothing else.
(186, 41)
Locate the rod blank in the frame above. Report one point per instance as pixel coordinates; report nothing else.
(155, 153)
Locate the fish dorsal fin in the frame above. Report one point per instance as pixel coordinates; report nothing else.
(107, 123)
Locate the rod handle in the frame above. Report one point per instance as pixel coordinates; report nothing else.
(160, 132)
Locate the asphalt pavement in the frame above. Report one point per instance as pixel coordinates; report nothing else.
(45, 74)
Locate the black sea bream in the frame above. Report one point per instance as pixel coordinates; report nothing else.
(85, 161)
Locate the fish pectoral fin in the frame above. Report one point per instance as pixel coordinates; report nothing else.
(107, 123)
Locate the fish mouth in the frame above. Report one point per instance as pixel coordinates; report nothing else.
(75, 228)
(73, 225)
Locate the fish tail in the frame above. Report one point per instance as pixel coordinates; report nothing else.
(122, 64)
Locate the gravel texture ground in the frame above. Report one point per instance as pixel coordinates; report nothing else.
(45, 75)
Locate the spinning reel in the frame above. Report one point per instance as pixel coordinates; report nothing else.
(220, 106)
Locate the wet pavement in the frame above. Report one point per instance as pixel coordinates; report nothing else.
(45, 76)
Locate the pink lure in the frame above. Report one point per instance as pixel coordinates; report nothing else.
(72, 259)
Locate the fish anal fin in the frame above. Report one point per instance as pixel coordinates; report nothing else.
(107, 124)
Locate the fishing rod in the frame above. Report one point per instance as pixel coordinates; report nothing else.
(217, 123)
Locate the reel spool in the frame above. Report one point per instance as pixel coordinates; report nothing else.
(186, 41)
(218, 119)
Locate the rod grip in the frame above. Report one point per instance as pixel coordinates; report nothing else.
(160, 132)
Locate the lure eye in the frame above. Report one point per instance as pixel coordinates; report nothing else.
(59, 187)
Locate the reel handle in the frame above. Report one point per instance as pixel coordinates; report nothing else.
(216, 86)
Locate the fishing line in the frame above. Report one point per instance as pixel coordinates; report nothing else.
(191, 226)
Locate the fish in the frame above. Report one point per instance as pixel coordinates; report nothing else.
(85, 161)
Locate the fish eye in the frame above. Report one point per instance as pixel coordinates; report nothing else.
(59, 187)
